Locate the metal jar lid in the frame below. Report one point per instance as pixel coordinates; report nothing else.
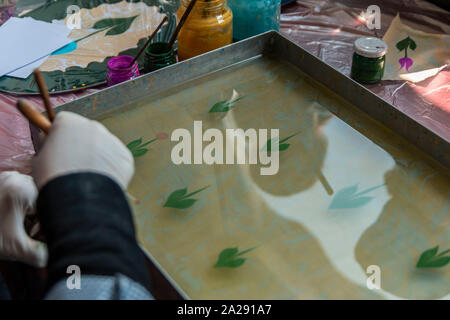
(370, 47)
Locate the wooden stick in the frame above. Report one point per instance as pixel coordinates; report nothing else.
(148, 41)
(182, 21)
(44, 94)
(34, 116)
(325, 184)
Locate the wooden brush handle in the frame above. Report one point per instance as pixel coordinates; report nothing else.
(182, 21)
(34, 116)
(148, 41)
(44, 93)
(325, 184)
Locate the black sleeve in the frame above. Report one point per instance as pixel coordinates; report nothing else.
(86, 220)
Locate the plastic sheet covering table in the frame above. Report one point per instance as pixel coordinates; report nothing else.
(328, 29)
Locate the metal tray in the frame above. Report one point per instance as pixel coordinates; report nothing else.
(273, 45)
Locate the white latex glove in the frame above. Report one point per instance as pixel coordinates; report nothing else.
(18, 194)
(77, 144)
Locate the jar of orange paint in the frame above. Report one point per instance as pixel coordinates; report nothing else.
(208, 27)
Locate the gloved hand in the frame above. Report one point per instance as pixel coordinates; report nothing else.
(18, 194)
(77, 144)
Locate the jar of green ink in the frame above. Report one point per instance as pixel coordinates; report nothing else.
(158, 55)
(369, 58)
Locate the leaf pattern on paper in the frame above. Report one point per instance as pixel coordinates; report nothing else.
(431, 259)
(231, 258)
(403, 45)
(347, 198)
(116, 26)
(179, 199)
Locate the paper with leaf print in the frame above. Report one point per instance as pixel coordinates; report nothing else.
(404, 45)
(115, 26)
(106, 30)
(82, 63)
(414, 55)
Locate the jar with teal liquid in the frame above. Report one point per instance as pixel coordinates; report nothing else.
(252, 17)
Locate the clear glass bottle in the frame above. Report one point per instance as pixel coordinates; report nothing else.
(208, 27)
(252, 17)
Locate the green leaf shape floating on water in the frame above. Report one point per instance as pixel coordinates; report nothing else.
(347, 198)
(137, 147)
(231, 258)
(117, 25)
(430, 259)
(179, 199)
(281, 146)
(226, 105)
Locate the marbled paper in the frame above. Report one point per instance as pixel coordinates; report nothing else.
(414, 55)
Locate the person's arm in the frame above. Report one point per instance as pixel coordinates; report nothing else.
(87, 223)
(81, 172)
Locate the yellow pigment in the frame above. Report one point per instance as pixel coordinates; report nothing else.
(208, 27)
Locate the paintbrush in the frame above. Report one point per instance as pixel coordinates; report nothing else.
(34, 116)
(182, 21)
(39, 120)
(44, 94)
(148, 41)
(325, 184)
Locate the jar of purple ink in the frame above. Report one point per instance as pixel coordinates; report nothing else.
(119, 70)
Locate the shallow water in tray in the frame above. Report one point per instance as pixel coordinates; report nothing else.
(349, 194)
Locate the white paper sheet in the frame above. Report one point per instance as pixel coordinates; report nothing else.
(28, 69)
(28, 43)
